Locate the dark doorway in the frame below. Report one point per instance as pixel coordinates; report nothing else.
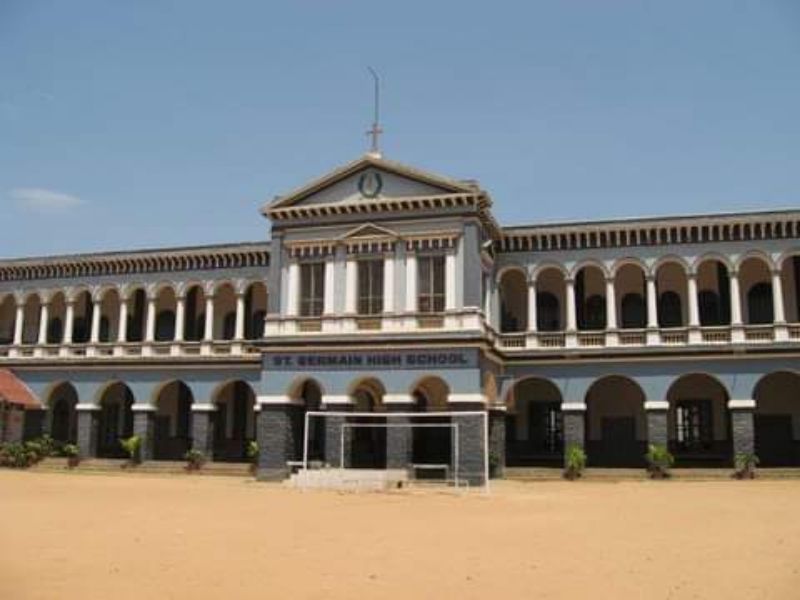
(775, 446)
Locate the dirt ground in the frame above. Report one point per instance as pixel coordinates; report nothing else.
(72, 536)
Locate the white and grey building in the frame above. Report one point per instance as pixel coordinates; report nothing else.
(386, 288)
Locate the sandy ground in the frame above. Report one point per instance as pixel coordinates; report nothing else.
(71, 536)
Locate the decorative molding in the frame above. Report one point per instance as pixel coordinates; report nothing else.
(573, 407)
(741, 404)
(656, 405)
(203, 407)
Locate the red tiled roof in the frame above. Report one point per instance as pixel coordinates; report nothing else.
(14, 391)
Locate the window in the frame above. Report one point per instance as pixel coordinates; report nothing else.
(670, 311)
(693, 423)
(370, 287)
(634, 312)
(546, 426)
(759, 304)
(312, 281)
(430, 281)
(548, 312)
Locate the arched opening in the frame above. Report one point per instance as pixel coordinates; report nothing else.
(755, 287)
(777, 420)
(368, 444)
(63, 417)
(116, 420)
(630, 288)
(172, 421)
(534, 424)
(82, 318)
(698, 421)
(166, 307)
(309, 393)
(616, 427)
(550, 300)
(790, 282)
(513, 301)
(8, 318)
(234, 421)
(225, 313)
(590, 295)
(109, 316)
(195, 317)
(55, 323)
(672, 291)
(432, 445)
(713, 293)
(137, 314)
(32, 315)
(255, 303)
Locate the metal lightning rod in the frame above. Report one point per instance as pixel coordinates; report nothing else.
(376, 130)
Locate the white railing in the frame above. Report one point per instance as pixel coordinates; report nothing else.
(127, 350)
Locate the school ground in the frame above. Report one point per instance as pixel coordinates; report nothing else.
(82, 536)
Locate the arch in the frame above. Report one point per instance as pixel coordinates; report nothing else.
(430, 393)
(630, 289)
(255, 302)
(8, 319)
(698, 420)
(62, 417)
(367, 394)
(108, 303)
(367, 444)
(616, 426)
(115, 399)
(195, 316)
(670, 259)
(172, 433)
(590, 296)
(136, 300)
(777, 419)
(431, 445)
(32, 316)
(82, 317)
(789, 265)
(513, 291)
(546, 266)
(234, 420)
(166, 300)
(551, 299)
(711, 257)
(628, 261)
(56, 316)
(534, 424)
(589, 263)
(757, 255)
(713, 291)
(755, 288)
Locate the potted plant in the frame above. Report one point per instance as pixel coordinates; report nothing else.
(194, 460)
(574, 461)
(252, 454)
(745, 464)
(72, 454)
(659, 461)
(133, 448)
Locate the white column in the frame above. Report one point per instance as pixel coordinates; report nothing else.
(44, 317)
(293, 289)
(18, 324)
(694, 311)
(180, 317)
(68, 322)
(122, 336)
(97, 313)
(209, 333)
(736, 299)
(239, 334)
(329, 295)
(652, 303)
(388, 283)
(351, 286)
(611, 305)
(571, 301)
(150, 323)
(411, 281)
(779, 315)
(450, 281)
(532, 305)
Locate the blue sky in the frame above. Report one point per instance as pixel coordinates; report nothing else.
(160, 123)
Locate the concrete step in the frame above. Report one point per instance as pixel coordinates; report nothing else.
(166, 467)
(608, 474)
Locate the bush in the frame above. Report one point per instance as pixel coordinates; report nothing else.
(574, 461)
(15, 456)
(745, 464)
(132, 447)
(194, 460)
(72, 453)
(252, 451)
(659, 461)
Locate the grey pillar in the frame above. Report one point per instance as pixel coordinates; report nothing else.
(743, 431)
(399, 440)
(471, 449)
(657, 425)
(497, 443)
(87, 432)
(333, 437)
(574, 428)
(203, 432)
(143, 426)
(277, 434)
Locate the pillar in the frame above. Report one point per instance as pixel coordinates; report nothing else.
(328, 296)
(611, 305)
(203, 429)
(88, 421)
(411, 281)
(471, 449)
(150, 323)
(450, 281)
(44, 317)
(293, 290)
(736, 299)
(694, 309)
(574, 423)
(399, 440)
(777, 298)
(333, 431)
(350, 286)
(209, 332)
(656, 415)
(18, 324)
(388, 283)
(278, 435)
(532, 316)
(143, 426)
(652, 303)
(572, 302)
(742, 426)
(122, 336)
(97, 311)
(240, 317)
(180, 317)
(497, 443)
(69, 322)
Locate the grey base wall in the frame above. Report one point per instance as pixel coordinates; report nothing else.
(471, 449)
(497, 443)
(657, 427)
(743, 431)
(203, 432)
(277, 433)
(88, 421)
(144, 427)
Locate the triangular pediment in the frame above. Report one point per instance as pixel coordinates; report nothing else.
(369, 231)
(367, 179)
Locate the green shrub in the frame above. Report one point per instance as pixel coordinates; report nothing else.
(72, 452)
(574, 461)
(252, 451)
(659, 461)
(194, 459)
(132, 447)
(745, 464)
(18, 455)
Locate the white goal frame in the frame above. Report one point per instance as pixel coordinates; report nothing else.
(453, 426)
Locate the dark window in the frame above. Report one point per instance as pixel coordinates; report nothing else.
(370, 287)
(633, 311)
(670, 312)
(594, 316)
(430, 282)
(105, 329)
(546, 429)
(693, 425)
(55, 331)
(548, 312)
(759, 304)
(312, 290)
(165, 326)
(229, 326)
(711, 309)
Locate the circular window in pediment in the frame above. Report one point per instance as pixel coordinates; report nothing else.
(370, 184)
